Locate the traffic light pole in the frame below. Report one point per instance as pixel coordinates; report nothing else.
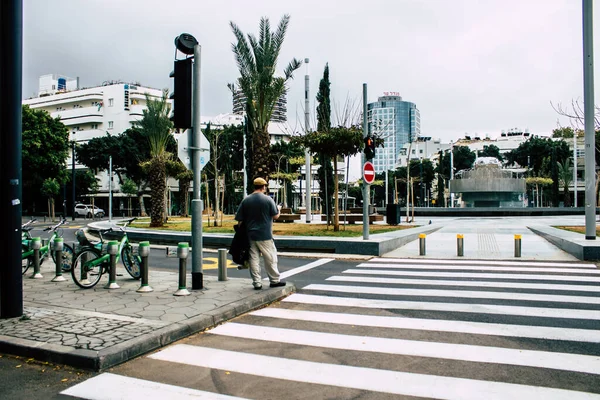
(197, 274)
(366, 186)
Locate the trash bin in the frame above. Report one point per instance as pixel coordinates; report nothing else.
(392, 214)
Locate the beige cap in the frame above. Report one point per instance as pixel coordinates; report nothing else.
(259, 182)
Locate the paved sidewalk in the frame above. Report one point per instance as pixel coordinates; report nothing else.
(98, 328)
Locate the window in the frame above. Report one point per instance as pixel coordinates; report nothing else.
(110, 124)
(94, 126)
(421, 151)
(111, 102)
(413, 151)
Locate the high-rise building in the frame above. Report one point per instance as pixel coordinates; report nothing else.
(279, 112)
(397, 122)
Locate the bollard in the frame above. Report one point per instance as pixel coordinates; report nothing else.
(422, 237)
(112, 249)
(144, 252)
(517, 245)
(460, 249)
(58, 250)
(183, 250)
(222, 264)
(36, 245)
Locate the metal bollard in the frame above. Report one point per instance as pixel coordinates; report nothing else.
(112, 249)
(460, 248)
(222, 264)
(422, 237)
(36, 245)
(183, 250)
(517, 245)
(144, 252)
(58, 250)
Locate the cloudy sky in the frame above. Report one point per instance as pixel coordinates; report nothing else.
(472, 67)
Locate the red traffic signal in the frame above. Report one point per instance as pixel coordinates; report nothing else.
(369, 148)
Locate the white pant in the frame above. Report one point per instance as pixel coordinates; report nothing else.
(269, 253)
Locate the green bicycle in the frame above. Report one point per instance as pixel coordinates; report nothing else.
(92, 260)
(45, 250)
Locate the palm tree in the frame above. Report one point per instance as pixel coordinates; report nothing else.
(565, 177)
(156, 127)
(257, 61)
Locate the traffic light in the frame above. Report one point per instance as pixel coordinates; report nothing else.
(369, 148)
(182, 94)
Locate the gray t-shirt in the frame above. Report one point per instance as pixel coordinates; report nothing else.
(256, 212)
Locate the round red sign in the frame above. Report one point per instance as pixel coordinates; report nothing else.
(369, 172)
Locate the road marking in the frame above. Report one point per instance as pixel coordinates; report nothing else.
(537, 277)
(213, 263)
(109, 386)
(436, 325)
(483, 354)
(482, 262)
(376, 380)
(437, 282)
(470, 294)
(478, 268)
(303, 268)
(541, 312)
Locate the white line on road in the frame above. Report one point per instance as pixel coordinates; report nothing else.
(376, 380)
(437, 282)
(482, 262)
(303, 268)
(109, 386)
(478, 268)
(541, 312)
(483, 354)
(471, 294)
(437, 325)
(537, 277)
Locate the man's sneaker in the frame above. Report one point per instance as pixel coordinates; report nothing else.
(278, 284)
(257, 287)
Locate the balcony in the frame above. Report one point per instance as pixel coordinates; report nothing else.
(78, 116)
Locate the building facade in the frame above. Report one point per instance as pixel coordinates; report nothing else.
(396, 121)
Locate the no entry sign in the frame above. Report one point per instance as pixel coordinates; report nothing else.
(369, 172)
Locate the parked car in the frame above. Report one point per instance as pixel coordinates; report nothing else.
(85, 210)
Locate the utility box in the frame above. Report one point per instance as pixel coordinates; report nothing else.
(392, 214)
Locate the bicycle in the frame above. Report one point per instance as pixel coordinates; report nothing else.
(27, 251)
(92, 259)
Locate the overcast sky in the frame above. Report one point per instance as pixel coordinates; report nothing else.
(471, 66)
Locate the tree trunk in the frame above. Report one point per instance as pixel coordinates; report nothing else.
(260, 164)
(142, 206)
(158, 185)
(336, 218)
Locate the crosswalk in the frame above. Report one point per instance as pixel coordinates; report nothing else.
(395, 328)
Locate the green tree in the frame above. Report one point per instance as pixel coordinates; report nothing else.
(491, 151)
(565, 177)
(50, 189)
(286, 171)
(563, 132)
(325, 173)
(129, 189)
(257, 62)
(156, 127)
(45, 148)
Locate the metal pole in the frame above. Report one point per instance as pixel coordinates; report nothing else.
(73, 180)
(244, 135)
(575, 169)
(112, 249)
(460, 248)
(451, 173)
(222, 264)
(588, 108)
(422, 237)
(11, 64)
(110, 178)
(197, 275)
(36, 245)
(182, 254)
(58, 256)
(307, 153)
(144, 252)
(366, 186)
(517, 245)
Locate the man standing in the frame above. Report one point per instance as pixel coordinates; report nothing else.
(256, 214)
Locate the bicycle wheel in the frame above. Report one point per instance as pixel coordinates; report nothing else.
(85, 275)
(131, 261)
(67, 257)
(25, 262)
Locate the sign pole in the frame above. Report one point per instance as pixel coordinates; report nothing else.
(366, 186)
(197, 276)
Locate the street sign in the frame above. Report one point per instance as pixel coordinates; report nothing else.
(184, 149)
(369, 172)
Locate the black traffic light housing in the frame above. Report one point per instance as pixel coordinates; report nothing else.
(369, 148)
(182, 94)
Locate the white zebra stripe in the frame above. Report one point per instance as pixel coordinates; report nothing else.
(470, 294)
(479, 268)
(482, 262)
(483, 354)
(437, 325)
(437, 282)
(109, 386)
(376, 380)
(537, 277)
(541, 312)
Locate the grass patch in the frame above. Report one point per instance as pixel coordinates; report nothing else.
(576, 229)
(181, 224)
